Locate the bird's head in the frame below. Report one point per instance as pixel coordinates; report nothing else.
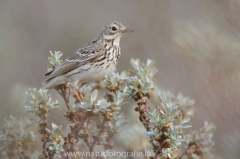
(113, 30)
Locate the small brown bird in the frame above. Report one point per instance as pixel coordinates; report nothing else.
(92, 61)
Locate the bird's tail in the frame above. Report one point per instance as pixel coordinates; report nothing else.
(54, 82)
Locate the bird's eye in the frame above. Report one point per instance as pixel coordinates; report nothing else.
(114, 28)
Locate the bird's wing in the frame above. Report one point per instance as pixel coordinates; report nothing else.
(84, 55)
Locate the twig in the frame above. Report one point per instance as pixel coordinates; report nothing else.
(83, 116)
(91, 147)
(67, 102)
(64, 95)
(143, 117)
(44, 135)
(69, 93)
(19, 154)
(159, 150)
(59, 92)
(146, 105)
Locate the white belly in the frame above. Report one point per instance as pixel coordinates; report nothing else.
(86, 75)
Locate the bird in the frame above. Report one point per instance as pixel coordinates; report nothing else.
(91, 62)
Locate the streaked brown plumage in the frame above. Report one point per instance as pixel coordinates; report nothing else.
(92, 61)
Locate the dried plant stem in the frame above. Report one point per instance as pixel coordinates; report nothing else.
(143, 117)
(159, 150)
(92, 146)
(44, 132)
(63, 93)
(19, 153)
(146, 106)
(65, 97)
(95, 140)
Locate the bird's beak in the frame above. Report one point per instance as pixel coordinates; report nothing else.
(126, 31)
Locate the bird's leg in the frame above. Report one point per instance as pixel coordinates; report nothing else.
(75, 92)
(80, 89)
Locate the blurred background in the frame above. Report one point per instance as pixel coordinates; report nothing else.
(195, 45)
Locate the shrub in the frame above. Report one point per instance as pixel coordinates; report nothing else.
(98, 119)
